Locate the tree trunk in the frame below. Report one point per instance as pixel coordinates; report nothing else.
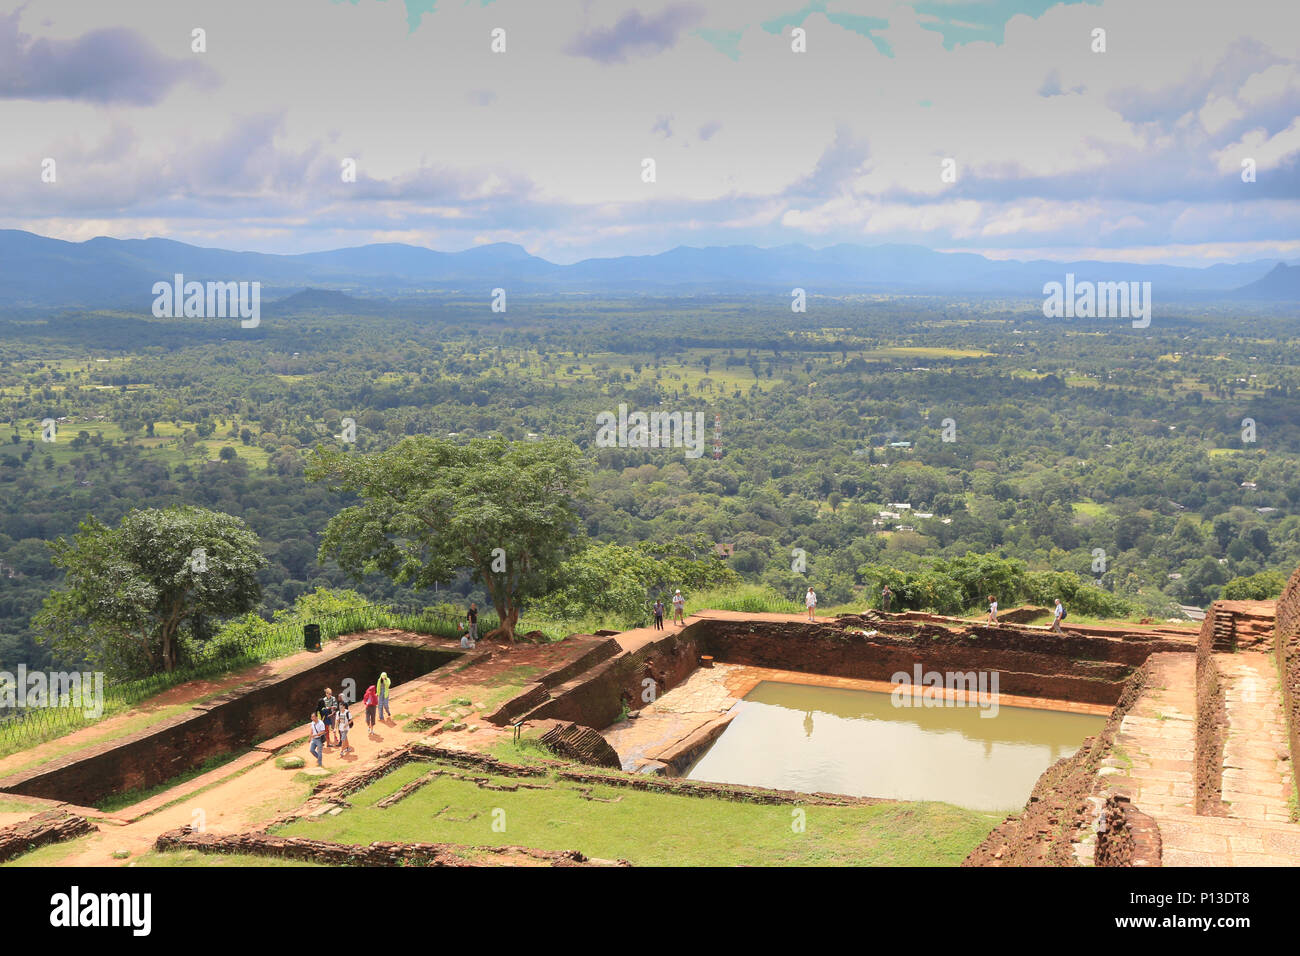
(507, 627)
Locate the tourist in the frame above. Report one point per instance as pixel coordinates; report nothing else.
(383, 687)
(344, 724)
(1057, 615)
(371, 700)
(328, 706)
(659, 614)
(886, 598)
(472, 617)
(319, 733)
(679, 608)
(810, 601)
(993, 609)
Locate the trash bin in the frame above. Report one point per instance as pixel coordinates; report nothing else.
(311, 637)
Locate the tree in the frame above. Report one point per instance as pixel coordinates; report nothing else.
(431, 508)
(130, 590)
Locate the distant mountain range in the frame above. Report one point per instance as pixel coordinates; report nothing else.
(39, 272)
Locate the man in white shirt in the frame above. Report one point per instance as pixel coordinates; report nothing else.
(679, 608)
(318, 732)
(1057, 614)
(810, 602)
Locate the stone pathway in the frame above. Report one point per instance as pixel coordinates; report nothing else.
(1157, 739)
(1158, 736)
(1257, 773)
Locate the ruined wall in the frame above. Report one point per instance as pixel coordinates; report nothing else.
(371, 854)
(52, 826)
(599, 697)
(1286, 642)
(218, 726)
(1211, 720)
(1128, 836)
(1032, 664)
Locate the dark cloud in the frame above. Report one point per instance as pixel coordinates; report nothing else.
(636, 33)
(103, 66)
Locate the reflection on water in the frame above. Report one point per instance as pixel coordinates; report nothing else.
(807, 738)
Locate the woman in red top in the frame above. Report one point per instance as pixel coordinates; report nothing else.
(371, 700)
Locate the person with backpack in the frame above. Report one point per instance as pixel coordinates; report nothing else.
(371, 700)
(993, 609)
(383, 687)
(318, 735)
(679, 608)
(327, 706)
(344, 723)
(1058, 615)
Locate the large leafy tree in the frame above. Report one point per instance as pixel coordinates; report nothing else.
(130, 591)
(431, 508)
(616, 582)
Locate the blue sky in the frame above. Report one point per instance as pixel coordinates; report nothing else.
(1059, 151)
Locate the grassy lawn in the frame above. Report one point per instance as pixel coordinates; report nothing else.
(52, 854)
(650, 829)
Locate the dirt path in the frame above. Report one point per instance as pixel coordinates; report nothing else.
(250, 792)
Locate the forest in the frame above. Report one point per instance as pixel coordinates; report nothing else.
(868, 440)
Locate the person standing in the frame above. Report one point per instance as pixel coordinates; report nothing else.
(679, 608)
(383, 687)
(371, 700)
(993, 609)
(886, 598)
(1058, 614)
(318, 735)
(344, 723)
(328, 706)
(810, 601)
(659, 614)
(472, 617)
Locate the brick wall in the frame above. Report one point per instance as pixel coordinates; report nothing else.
(219, 726)
(1286, 643)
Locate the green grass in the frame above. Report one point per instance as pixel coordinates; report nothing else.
(52, 854)
(747, 598)
(651, 829)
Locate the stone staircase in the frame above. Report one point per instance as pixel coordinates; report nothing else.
(1153, 764)
(1257, 775)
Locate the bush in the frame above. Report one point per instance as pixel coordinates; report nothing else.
(1257, 587)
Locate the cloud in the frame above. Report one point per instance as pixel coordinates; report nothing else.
(636, 33)
(113, 65)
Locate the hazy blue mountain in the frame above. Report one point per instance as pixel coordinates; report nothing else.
(1280, 284)
(39, 272)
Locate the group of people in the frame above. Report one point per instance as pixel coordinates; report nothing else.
(332, 719)
(679, 610)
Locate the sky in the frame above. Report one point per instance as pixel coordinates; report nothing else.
(1058, 150)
